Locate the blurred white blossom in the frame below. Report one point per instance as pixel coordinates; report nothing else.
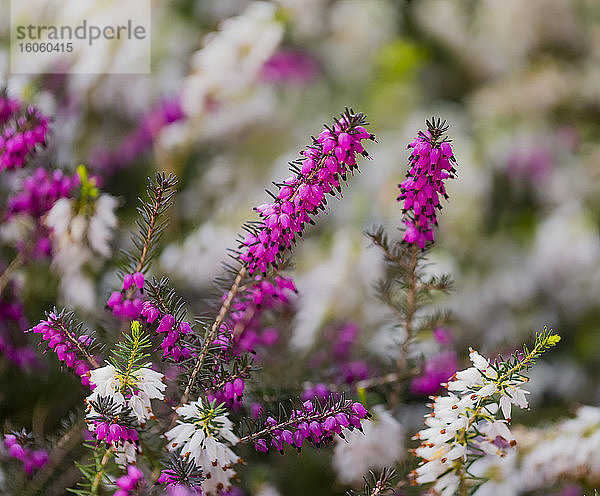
(381, 445)
(79, 240)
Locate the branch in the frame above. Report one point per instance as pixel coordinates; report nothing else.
(63, 328)
(14, 265)
(160, 192)
(410, 307)
(101, 470)
(213, 332)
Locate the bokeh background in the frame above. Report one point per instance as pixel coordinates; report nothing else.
(238, 87)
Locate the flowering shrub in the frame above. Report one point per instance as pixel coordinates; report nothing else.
(213, 359)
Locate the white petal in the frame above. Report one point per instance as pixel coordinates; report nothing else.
(487, 390)
(505, 405)
(480, 362)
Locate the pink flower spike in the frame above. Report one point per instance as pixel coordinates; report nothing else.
(429, 165)
(301, 198)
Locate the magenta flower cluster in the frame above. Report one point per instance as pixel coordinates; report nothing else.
(40, 191)
(301, 196)
(38, 194)
(309, 424)
(248, 307)
(113, 433)
(171, 345)
(129, 482)
(8, 107)
(19, 139)
(127, 303)
(64, 345)
(431, 163)
(32, 459)
(229, 393)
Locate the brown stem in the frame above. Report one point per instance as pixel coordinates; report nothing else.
(213, 332)
(410, 308)
(151, 227)
(100, 473)
(92, 361)
(14, 265)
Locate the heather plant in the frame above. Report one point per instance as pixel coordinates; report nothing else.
(210, 358)
(317, 360)
(24, 132)
(470, 424)
(172, 400)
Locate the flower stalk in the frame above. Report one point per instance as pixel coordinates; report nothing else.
(411, 296)
(213, 332)
(94, 490)
(15, 264)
